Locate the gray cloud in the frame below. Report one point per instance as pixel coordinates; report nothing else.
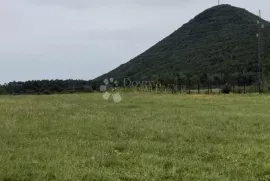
(43, 39)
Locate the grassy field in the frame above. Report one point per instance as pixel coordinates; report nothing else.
(146, 137)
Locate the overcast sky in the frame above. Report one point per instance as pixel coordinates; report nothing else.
(82, 39)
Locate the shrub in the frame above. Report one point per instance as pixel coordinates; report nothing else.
(238, 90)
(2, 91)
(226, 89)
(47, 92)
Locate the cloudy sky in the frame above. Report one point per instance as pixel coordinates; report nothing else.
(82, 39)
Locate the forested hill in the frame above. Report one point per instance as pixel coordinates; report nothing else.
(220, 40)
(218, 46)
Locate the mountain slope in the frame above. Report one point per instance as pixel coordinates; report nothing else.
(221, 39)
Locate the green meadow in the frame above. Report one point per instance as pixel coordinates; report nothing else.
(146, 137)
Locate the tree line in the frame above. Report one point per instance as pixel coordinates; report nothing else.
(181, 82)
(186, 82)
(46, 87)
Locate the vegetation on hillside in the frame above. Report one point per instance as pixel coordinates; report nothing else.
(219, 42)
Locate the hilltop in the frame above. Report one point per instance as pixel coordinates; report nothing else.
(220, 40)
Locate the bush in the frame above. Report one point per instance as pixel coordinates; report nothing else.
(238, 90)
(226, 89)
(47, 92)
(2, 91)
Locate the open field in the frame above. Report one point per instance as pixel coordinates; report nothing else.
(145, 137)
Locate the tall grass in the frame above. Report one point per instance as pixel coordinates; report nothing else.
(146, 137)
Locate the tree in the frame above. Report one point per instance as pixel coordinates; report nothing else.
(2, 90)
(233, 79)
(195, 79)
(157, 81)
(210, 81)
(182, 80)
(168, 78)
(218, 79)
(246, 78)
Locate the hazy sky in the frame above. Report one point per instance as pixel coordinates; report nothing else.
(82, 39)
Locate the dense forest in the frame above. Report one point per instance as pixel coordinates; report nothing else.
(218, 44)
(47, 87)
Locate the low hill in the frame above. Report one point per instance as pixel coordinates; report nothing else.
(220, 40)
